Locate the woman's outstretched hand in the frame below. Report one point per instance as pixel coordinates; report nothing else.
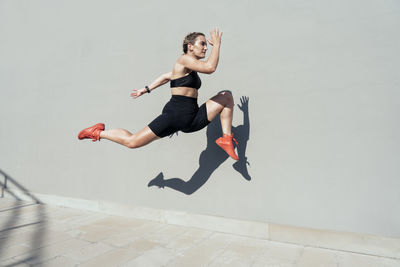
(138, 92)
(215, 37)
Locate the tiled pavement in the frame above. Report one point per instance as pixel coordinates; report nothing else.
(44, 235)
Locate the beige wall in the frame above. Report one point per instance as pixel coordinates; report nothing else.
(321, 77)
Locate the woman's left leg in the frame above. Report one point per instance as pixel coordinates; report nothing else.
(126, 138)
(120, 136)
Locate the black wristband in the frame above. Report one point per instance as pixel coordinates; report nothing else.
(147, 89)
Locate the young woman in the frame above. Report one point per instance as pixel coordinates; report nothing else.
(182, 112)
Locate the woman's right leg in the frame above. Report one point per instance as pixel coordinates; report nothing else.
(126, 138)
(223, 104)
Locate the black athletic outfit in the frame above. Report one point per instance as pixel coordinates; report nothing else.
(181, 113)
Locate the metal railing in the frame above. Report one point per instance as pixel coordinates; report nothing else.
(3, 185)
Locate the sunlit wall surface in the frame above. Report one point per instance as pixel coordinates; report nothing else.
(317, 84)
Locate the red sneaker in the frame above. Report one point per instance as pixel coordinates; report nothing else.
(225, 142)
(92, 132)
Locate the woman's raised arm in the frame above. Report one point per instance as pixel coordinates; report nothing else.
(210, 65)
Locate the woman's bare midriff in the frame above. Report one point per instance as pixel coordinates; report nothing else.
(185, 91)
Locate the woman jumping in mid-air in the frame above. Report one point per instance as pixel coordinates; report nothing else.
(182, 112)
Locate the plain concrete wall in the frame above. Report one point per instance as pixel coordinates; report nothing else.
(323, 87)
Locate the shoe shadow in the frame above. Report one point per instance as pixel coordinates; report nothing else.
(213, 156)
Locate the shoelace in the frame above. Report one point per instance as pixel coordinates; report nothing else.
(95, 135)
(235, 141)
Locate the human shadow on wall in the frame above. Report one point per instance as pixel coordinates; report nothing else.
(11, 226)
(213, 156)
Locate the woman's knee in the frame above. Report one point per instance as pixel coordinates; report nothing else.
(228, 98)
(141, 138)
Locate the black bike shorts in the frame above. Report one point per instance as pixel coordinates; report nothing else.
(181, 113)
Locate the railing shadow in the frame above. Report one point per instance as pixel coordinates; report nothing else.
(13, 214)
(213, 156)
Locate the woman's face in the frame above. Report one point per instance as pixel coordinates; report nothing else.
(199, 48)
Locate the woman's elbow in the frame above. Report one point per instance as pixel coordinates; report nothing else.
(210, 69)
(167, 76)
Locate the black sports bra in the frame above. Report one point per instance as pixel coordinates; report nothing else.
(192, 80)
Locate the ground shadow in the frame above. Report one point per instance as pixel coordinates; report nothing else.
(213, 156)
(11, 225)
